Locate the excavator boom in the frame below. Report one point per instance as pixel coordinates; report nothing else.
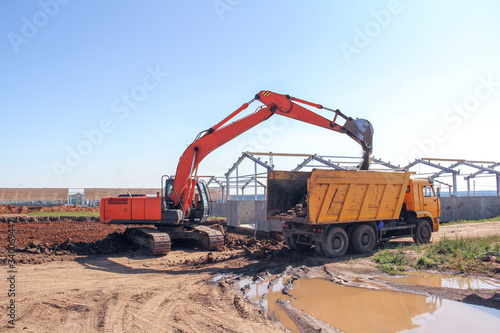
(360, 130)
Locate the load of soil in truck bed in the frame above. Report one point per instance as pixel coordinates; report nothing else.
(299, 210)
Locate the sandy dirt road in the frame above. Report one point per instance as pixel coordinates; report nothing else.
(132, 292)
(479, 229)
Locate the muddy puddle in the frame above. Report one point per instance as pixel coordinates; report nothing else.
(444, 281)
(355, 309)
(266, 293)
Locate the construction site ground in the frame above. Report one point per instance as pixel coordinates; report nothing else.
(80, 276)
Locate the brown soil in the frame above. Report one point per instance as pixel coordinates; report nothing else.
(12, 209)
(38, 242)
(299, 210)
(121, 289)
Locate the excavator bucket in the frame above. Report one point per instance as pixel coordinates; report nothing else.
(361, 130)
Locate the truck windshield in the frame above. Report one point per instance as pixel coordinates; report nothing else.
(428, 191)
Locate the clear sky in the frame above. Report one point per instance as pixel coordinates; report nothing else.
(110, 93)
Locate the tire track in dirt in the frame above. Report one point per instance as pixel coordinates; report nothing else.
(147, 317)
(114, 313)
(92, 322)
(41, 327)
(40, 310)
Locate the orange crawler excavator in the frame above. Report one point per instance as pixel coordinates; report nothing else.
(184, 205)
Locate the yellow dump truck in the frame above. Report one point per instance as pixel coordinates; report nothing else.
(334, 210)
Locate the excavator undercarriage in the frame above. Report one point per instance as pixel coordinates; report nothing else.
(152, 240)
(158, 241)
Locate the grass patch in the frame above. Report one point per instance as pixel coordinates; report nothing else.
(59, 214)
(459, 254)
(216, 218)
(447, 254)
(473, 221)
(392, 262)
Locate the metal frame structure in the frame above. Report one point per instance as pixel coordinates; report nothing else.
(233, 184)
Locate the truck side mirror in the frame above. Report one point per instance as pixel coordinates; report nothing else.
(438, 191)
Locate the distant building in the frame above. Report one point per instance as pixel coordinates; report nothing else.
(77, 199)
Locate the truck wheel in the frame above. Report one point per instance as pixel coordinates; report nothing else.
(363, 239)
(423, 232)
(349, 230)
(318, 249)
(336, 243)
(290, 241)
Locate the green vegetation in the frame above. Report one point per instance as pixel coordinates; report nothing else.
(460, 254)
(473, 221)
(216, 219)
(447, 254)
(392, 262)
(58, 214)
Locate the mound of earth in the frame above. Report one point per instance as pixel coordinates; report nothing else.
(13, 209)
(40, 240)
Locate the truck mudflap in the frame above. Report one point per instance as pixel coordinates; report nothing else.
(436, 225)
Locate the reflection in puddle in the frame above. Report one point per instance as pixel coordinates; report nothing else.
(352, 309)
(266, 294)
(444, 280)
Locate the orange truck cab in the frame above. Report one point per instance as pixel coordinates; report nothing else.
(422, 201)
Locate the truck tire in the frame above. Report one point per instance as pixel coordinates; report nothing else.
(318, 249)
(336, 243)
(290, 241)
(423, 232)
(363, 239)
(349, 230)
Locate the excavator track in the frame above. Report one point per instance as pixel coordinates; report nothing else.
(154, 241)
(210, 239)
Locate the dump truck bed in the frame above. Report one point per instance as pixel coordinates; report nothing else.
(335, 196)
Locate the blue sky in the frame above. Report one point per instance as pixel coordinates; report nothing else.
(127, 85)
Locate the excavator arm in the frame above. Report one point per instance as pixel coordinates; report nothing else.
(184, 184)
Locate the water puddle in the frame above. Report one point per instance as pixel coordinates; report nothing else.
(266, 293)
(444, 280)
(354, 309)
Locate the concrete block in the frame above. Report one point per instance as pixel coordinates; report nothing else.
(219, 209)
(240, 213)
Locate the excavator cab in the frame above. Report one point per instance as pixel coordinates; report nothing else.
(200, 207)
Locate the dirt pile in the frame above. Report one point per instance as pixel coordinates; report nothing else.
(57, 231)
(34, 219)
(13, 209)
(235, 241)
(299, 210)
(43, 239)
(113, 243)
(255, 248)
